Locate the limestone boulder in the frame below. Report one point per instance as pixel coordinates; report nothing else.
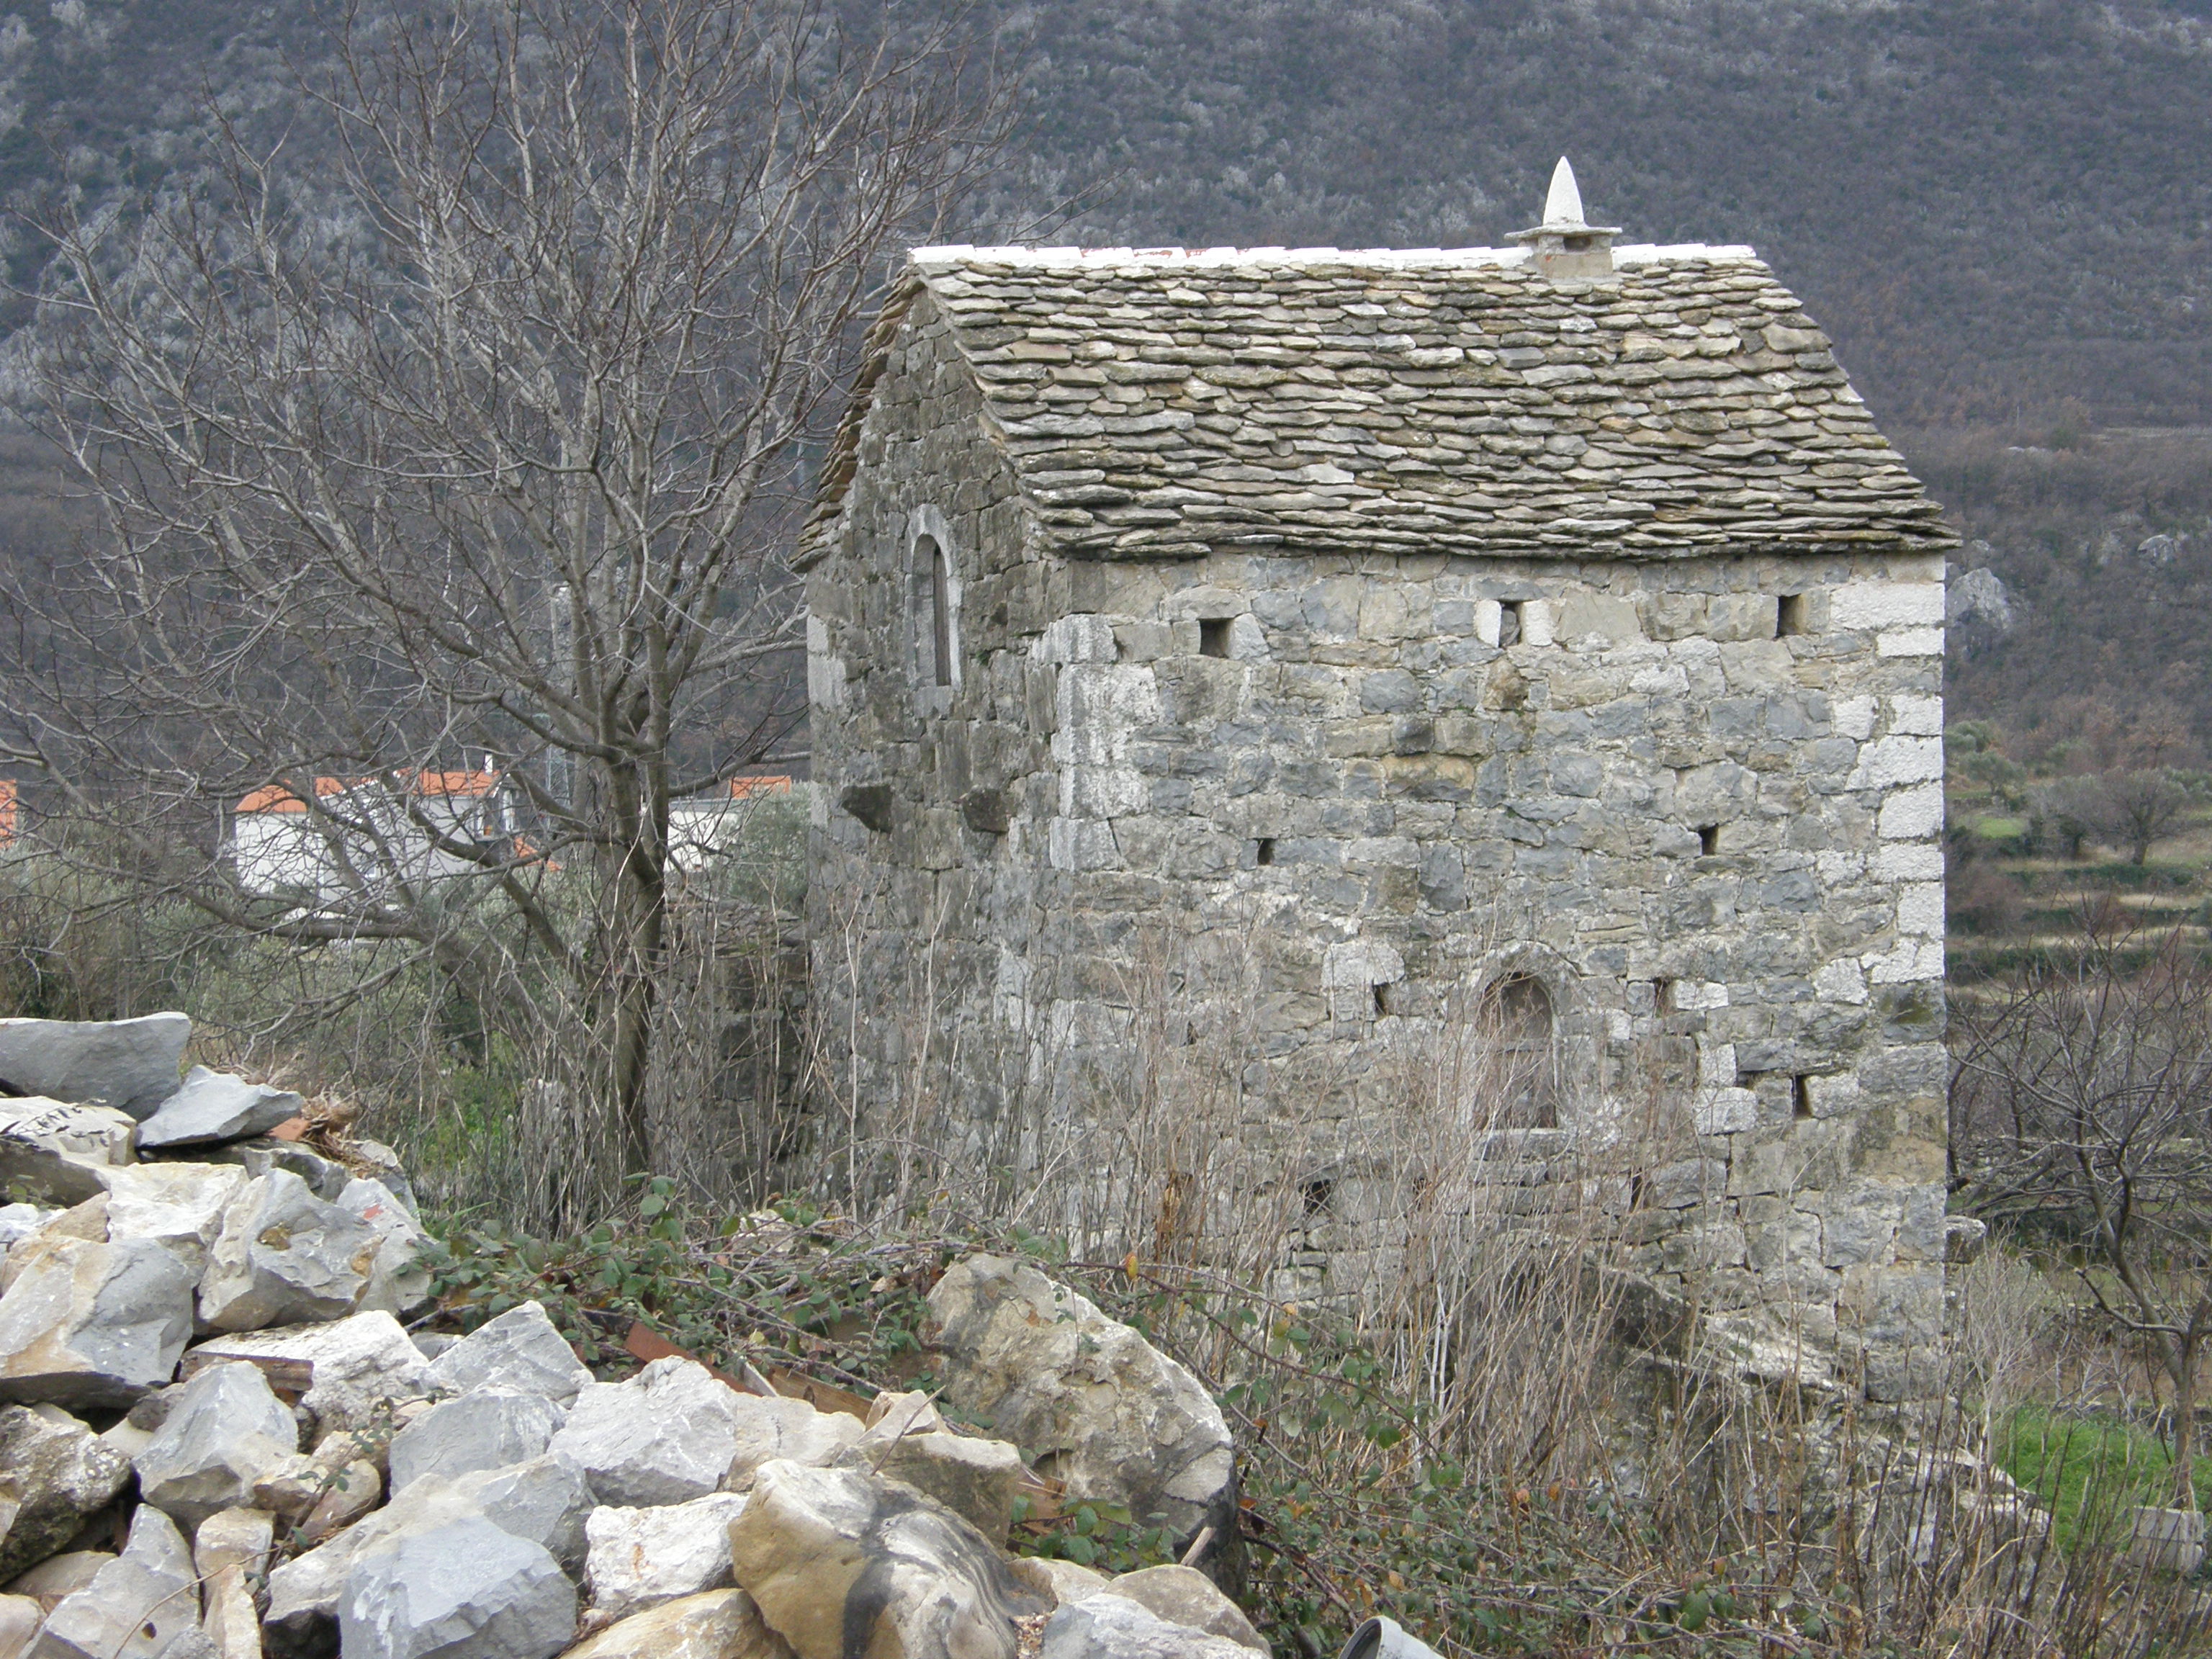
(487, 1428)
(87, 1324)
(398, 1278)
(229, 1551)
(666, 1436)
(977, 1479)
(326, 1177)
(637, 1558)
(353, 1489)
(54, 1472)
(20, 1619)
(283, 1256)
(545, 1501)
(522, 1350)
(1110, 1627)
(210, 1107)
(457, 1589)
(18, 1221)
(721, 1624)
(1098, 1406)
(59, 1577)
(362, 1366)
(1058, 1582)
(841, 1563)
(129, 1064)
(234, 1538)
(61, 1154)
(1185, 1596)
(790, 1430)
(225, 1431)
(179, 1207)
(138, 1606)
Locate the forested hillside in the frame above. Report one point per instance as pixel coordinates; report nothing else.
(1999, 207)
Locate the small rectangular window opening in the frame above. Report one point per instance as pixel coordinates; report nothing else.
(1801, 1098)
(1316, 1194)
(1382, 1000)
(1213, 636)
(1789, 616)
(1709, 839)
(1662, 996)
(1263, 850)
(1509, 622)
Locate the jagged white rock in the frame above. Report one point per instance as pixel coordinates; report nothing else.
(667, 1435)
(283, 1255)
(637, 1558)
(484, 1429)
(520, 1349)
(177, 1205)
(226, 1429)
(59, 1152)
(457, 1589)
(137, 1607)
(362, 1365)
(129, 1064)
(213, 1107)
(91, 1324)
(57, 1472)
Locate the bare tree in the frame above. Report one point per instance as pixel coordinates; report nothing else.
(470, 438)
(2081, 1122)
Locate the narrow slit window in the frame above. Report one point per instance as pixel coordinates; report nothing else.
(940, 612)
(1522, 1075)
(1382, 1000)
(1213, 636)
(1509, 622)
(1789, 616)
(1801, 1096)
(1662, 996)
(1263, 850)
(1709, 840)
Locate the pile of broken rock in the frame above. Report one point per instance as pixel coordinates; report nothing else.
(224, 1442)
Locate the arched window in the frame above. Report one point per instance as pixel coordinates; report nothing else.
(940, 609)
(1522, 1081)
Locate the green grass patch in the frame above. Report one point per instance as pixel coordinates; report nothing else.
(2091, 1470)
(2001, 829)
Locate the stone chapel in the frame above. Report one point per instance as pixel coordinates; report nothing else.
(1546, 629)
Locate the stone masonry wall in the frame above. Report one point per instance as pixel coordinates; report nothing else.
(1367, 790)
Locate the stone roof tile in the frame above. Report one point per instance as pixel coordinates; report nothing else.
(1157, 402)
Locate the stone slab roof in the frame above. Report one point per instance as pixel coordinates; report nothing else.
(1158, 403)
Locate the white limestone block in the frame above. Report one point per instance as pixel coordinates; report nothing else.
(1103, 791)
(1077, 639)
(1692, 994)
(1912, 814)
(1488, 614)
(1716, 1066)
(1908, 642)
(1912, 960)
(1833, 1096)
(1871, 605)
(1909, 861)
(1920, 909)
(1537, 623)
(1916, 716)
(1082, 844)
(1888, 762)
(1854, 717)
(1730, 1111)
(1841, 981)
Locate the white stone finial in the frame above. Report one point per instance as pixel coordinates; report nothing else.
(1563, 205)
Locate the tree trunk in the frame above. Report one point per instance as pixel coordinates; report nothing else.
(2185, 1423)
